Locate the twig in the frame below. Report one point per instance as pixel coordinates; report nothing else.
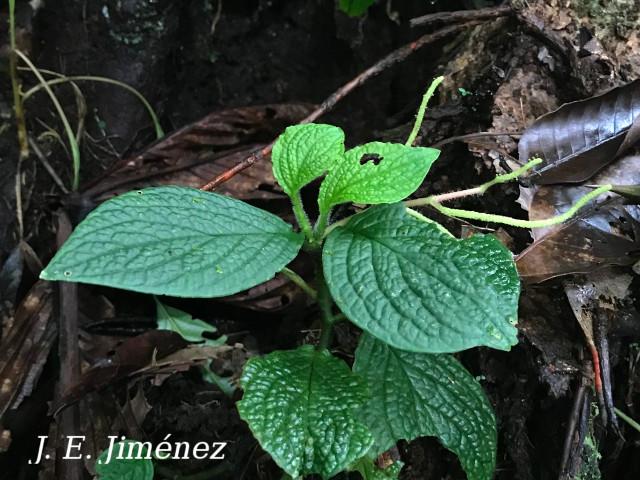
(69, 419)
(576, 409)
(462, 16)
(600, 332)
(18, 193)
(47, 166)
(394, 57)
(471, 136)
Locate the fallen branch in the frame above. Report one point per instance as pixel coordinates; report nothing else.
(462, 16)
(394, 57)
(69, 353)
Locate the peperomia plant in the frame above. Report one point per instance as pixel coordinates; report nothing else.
(418, 293)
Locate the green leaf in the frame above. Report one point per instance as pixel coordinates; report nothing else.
(305, 152)
(176, 241)
(189, 328)
(192, 330)
(301, 405)
(408, 282)
(375, 173)
(370, 471)
(421, 394)
(125, 468)
(355, 8)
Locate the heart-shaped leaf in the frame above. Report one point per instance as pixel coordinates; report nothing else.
(411, 284)
(421, 394)
(375, 173)
(176, 241)
(301, 405)
(580, 138)
(305, 152)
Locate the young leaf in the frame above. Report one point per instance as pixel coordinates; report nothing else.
(421, 394)
(176, 241)
(376, 172)
(305, 152)
(411, 284)
(125, 468)
(301, 405)
(192, 329)
(189, 328)
(355, 8)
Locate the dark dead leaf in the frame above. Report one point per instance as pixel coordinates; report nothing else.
(25, 346)
(605, 233)
(132, 413)
(580, 138)
(272, 296)
(157, 352)
(130, 355)
(200, 151)
(10, 277)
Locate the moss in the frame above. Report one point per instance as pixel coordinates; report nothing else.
(609, 17)
(589, 470)
(142, 19)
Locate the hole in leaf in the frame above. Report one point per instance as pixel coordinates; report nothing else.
(371, 157)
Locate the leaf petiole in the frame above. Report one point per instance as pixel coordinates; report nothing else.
(300, 282)
(301, 216)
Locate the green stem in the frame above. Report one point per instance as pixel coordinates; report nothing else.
(300, 282)
(480, 190)
(511, 176)
(91, 78)
(326, 303)
(15, 85)
(422, 109)
(301, 216)
(321, 226)
(75, 150)
(627, 419)
(514, 222)
(435, 200)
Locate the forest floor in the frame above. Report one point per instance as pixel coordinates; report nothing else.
(225, 78)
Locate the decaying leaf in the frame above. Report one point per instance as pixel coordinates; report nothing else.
(132, 355)
(605, 233)
(580, 138)
(25, 347)
(198, 152)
